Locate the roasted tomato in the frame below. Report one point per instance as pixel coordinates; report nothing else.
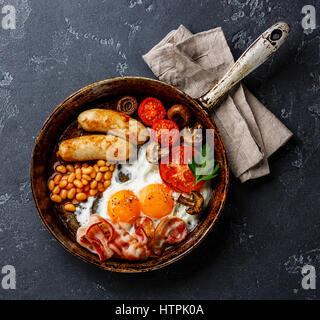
(150, 110)
(166, 132)
(176, 174)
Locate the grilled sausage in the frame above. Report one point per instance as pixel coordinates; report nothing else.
(115, 123)
(94, 147)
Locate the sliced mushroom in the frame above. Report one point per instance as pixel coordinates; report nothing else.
(123, 177)
(179, 114)
(127, 105)
(194, 201)
(193, 136)
(154, 153)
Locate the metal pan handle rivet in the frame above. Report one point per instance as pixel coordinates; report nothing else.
(276, 35)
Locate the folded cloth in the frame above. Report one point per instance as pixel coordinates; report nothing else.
(194, 63)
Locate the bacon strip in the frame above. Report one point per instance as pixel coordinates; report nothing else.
(96, 236)
(170, 230)
(99, 235)
(146, 224)
(127, 246)
(106, 239)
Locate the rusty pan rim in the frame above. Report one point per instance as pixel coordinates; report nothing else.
(162, 263)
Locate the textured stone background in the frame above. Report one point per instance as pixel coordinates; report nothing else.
(269, 228)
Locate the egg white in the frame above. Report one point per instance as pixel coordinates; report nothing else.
(142, 173)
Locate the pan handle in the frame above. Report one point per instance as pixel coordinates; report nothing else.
(268, 43)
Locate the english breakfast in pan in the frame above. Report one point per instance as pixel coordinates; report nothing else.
(136, 179)
(130, 174)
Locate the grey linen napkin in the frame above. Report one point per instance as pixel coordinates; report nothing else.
(194, 63)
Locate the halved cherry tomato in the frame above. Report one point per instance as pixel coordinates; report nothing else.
(150, 110)
(166, 132)
(176, 174)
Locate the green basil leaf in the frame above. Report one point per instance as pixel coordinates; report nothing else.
(208, 167)
(205, 178)
(192, 166)
(203, 166)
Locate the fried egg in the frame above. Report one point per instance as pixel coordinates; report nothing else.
(142, 194)
(156, 200)
(123, 206)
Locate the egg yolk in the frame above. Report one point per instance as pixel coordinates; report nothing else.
(124, 206)
(156, 201)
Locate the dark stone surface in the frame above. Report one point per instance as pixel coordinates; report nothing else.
(269, 228)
